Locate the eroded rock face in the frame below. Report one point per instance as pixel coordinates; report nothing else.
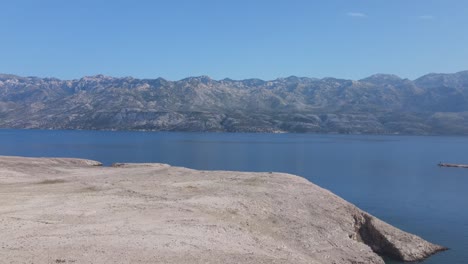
(69, 210)
(386, 240)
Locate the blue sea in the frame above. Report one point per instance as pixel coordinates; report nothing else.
(395, 178)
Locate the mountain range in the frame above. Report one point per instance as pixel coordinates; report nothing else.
(434, 104)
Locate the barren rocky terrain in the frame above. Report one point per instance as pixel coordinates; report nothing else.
(380, 104)
(74, 211)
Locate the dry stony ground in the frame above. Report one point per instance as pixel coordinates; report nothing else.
(72, 211)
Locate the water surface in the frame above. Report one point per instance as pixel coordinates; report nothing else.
(392, 177)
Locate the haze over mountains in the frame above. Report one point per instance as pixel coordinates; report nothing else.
(379, 104)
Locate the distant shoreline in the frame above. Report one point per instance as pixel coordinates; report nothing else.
(238, 132)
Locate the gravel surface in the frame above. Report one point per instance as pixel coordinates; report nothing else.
(75, 211)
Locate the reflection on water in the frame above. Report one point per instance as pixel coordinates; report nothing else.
(393, 177)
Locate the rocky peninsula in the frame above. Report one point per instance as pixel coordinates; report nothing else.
(57, 210)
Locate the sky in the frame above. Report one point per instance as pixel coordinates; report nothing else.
(235, 39)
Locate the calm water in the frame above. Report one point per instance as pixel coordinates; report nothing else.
(392, 177)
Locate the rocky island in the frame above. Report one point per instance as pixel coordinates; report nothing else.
(58, 210)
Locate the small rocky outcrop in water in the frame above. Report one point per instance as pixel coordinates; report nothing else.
(72, 211)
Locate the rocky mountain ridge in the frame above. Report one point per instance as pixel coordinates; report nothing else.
(380, 104)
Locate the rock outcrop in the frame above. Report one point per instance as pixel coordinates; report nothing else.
(72, 211)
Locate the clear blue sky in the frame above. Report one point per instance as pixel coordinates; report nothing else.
(233, 38)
